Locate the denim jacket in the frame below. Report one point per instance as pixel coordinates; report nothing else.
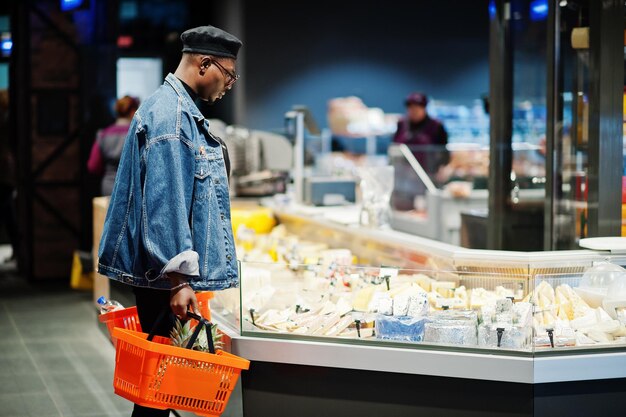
(170, 209)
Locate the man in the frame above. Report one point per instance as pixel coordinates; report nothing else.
(167, 231)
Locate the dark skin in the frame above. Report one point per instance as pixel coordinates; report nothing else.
(203, 74)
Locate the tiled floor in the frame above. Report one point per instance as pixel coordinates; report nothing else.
(54, 360)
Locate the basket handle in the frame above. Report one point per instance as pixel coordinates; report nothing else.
(157, 323)
(202, 322)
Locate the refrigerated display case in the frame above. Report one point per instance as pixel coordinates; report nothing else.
(331, 300)
(316, 305)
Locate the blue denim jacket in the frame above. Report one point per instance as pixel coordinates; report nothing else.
(170, 209)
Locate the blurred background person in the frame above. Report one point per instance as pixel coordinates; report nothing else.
(107, 148)
(427, 139)
(7, 178)
(425, 136)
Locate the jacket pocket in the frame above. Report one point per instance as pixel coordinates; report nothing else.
(202, 181)
(202, 167)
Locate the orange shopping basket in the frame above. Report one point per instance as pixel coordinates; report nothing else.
(128, 319)
(157, 375)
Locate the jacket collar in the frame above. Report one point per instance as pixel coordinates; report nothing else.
(175, 83)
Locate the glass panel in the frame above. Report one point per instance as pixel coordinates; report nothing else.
(328, 299)
(442, 192)
(226, 305)
(435, 185)
(303, 290)
(581, 311)
(571, 141)
(529, 97)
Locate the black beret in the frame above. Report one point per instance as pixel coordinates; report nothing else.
(210, 40)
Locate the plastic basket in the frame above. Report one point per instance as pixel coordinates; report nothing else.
(128, 318)
(125, 319)
(204, 300)
(157, 375)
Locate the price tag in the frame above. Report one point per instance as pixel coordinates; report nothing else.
(386, 271)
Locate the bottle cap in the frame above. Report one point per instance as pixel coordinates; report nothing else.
(101, 300)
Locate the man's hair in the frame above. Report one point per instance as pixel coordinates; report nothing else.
(190, 56)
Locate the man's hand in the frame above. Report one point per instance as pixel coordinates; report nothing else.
(182, 297)
(180, 301)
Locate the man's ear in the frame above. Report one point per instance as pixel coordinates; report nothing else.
(205, 62)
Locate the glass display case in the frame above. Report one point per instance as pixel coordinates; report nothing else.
(328, 299)
(300, 286)
(580, 311)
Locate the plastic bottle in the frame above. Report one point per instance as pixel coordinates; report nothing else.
(106, 306)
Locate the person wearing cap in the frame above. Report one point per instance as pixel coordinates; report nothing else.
(167, 231)
(427, 138)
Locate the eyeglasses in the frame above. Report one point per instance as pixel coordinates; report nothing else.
(232, 77)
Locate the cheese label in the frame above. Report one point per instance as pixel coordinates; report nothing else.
(386, 271)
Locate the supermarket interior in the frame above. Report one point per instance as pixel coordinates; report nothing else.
(425, 203)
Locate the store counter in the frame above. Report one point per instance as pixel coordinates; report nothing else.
(366, 377)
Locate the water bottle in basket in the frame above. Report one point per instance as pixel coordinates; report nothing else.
(106, 306)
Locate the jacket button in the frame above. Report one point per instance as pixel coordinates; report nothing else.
(229, 257)
(222, 216)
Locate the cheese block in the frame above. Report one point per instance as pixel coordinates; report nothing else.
(480, 297)
(611, 326)
(401, 305)
(621, 332)
(502, 292)
(546, 290)
(444, 288)
(339, 327)
(327, 324)
(451, 303)
(566, 310)
(600, 336)
(602, 315)
(461, 293)
(530, 297)
(400, 289)
(523, 314)
(424, 281)
(582, 340)
(343, 307)
(363, 298)
(383, 304)
(548, 318)
(585, 322)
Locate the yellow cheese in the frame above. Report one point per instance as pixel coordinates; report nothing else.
(444, 288)
(363, 298)
(424, 281)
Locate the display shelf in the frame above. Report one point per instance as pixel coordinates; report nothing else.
(528, 365)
